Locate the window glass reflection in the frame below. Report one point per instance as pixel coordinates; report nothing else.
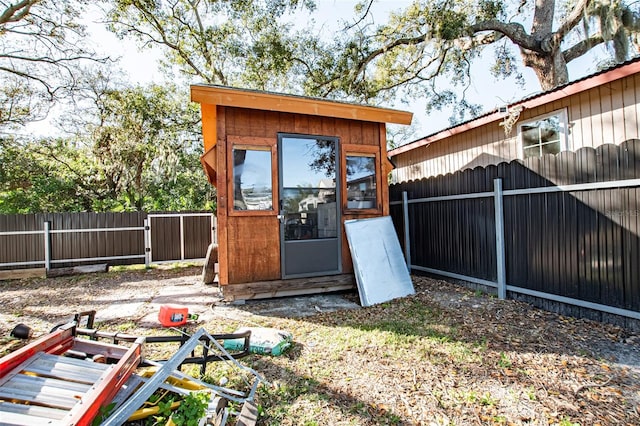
(252, 186)
(543, 136)
(361, 182)
(309, 188)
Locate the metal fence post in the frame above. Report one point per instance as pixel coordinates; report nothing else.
(47, 245)
(499, 218)
(407, 239)
(147, 243)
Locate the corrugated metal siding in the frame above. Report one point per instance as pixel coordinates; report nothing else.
(95, 244)
(581, 244)
(197, 236)
(165, 241)
(606, 114)
(165, 238)
(21, 248)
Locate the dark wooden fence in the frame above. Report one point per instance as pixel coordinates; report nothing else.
(570, 223)
(56, 240)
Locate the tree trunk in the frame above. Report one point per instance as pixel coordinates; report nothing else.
(547, 62)
(550, 68)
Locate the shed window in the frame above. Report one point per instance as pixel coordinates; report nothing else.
(252, 181)
(544, 135)
(361, 181)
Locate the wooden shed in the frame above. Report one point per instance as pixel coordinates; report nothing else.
(289, 170)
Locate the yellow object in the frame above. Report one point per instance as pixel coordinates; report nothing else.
(145, 412)
(151, 408)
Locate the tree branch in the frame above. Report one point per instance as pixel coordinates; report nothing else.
(514, 31)
(362, 64)
(568, 24)
(46, 85)
(362, 17)
(479, 40)
(201, 34)
(582, 47)
(16, 12)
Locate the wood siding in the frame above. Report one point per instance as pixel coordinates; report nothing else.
(609, 113)
(249, 243)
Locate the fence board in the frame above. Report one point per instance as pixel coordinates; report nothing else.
(166, 244)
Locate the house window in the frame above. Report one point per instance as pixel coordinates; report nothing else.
(544, 135)
(361, 181)
(252, 181)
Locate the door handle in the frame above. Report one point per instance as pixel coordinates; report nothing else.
(281, 217)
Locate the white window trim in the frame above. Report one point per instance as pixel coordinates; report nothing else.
(564, 130)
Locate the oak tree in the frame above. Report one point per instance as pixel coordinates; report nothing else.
(42, 50)
(435, 41)
(131, 148)
(240, 43)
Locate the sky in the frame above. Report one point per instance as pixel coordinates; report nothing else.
(485, 90)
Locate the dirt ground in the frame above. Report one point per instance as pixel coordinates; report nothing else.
(587, 369)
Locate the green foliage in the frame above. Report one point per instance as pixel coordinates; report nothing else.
(42, 50)
(103, 413)
(134, 149)
(147, 145)
(450, 25)
(490, 9)
(566, 421)
(44, 176)
(243, 43)
(504, 361)
(164, 408)
(192, 409)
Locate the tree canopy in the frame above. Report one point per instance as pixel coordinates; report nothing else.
(42, 51)
(134, 148)
(433, 41)
(130, 147)
(238, 43)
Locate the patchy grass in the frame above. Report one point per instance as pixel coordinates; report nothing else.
(446, 356)
(414, 361)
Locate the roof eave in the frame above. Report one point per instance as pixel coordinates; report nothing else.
(232, 97)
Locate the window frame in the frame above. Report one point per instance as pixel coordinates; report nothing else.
(351, 150)
(564, 131)
(255, 144)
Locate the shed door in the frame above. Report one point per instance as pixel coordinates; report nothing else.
(309, 214)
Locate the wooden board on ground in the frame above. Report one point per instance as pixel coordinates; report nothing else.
(18, 274)
(210, 268)
(75, 270)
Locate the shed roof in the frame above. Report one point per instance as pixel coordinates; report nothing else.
(269, 101)
(588, 82)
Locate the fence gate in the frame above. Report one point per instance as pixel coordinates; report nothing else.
(175, 237)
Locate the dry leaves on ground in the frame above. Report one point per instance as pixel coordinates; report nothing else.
(443, 356)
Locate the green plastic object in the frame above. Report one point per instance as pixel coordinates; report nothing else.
(263, 341)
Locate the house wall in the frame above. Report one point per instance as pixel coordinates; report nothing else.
(609, 113)
(249, 242)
